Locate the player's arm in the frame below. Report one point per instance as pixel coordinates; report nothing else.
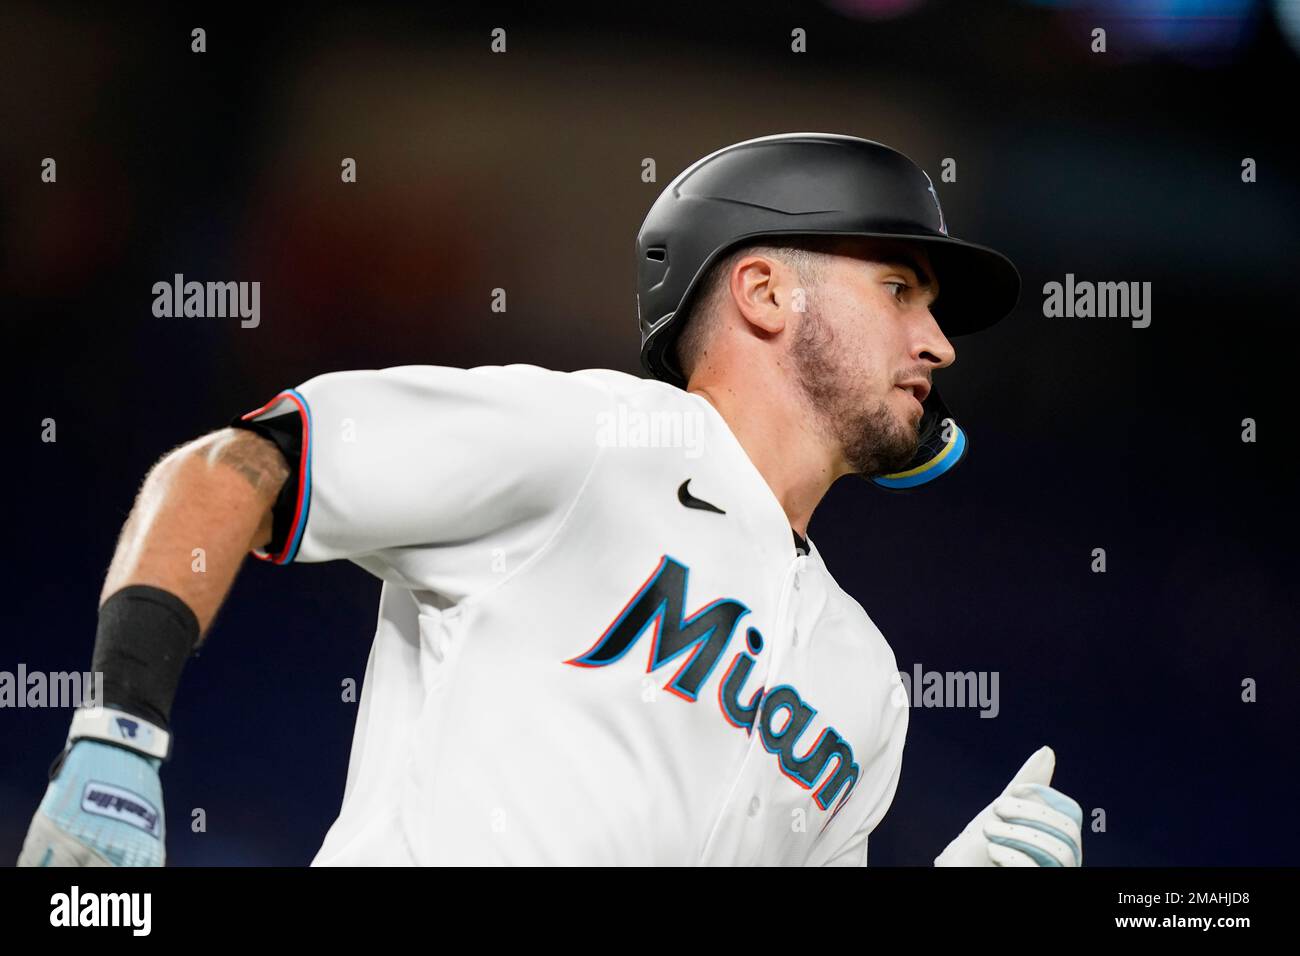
(204, 505)
(198, 513)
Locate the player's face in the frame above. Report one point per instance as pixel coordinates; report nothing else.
(865, 350)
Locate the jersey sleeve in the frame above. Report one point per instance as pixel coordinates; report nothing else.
(280, 423)
(420, 456)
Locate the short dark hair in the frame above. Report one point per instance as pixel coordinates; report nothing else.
(806, 255)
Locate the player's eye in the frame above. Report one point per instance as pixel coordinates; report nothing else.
(898, 288)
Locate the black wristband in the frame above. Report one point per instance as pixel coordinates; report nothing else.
(144, 637)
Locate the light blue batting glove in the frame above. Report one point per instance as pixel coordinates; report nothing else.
(103, 807)
(1029, 824)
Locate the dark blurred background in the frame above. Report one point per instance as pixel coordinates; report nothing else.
(522, 171)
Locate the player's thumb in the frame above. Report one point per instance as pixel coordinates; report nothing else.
(1037, 769)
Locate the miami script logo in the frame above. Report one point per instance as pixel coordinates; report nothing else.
(700, 643)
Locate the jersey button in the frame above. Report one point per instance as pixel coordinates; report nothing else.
(755, 805)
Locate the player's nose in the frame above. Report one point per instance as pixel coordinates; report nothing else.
(931, 345)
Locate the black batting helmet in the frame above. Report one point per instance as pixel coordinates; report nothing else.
(812, 184)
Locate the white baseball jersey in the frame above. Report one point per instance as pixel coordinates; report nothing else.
(597, 641)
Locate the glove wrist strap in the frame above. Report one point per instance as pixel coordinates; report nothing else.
(118, 727)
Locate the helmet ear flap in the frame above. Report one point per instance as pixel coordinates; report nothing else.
(942, 446)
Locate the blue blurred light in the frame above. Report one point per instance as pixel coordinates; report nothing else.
(1206, 31)
(1287, 13)
(1203, 32)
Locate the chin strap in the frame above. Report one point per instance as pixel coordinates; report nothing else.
(942, 446)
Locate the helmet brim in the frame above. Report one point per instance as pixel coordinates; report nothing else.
(978, 286)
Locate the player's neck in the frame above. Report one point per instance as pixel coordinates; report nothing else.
(792, 458)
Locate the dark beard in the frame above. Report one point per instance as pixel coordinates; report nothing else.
(872, 440)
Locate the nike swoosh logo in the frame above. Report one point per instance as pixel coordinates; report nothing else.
(690, 501)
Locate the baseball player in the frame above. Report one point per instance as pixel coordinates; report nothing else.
(604, 634)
